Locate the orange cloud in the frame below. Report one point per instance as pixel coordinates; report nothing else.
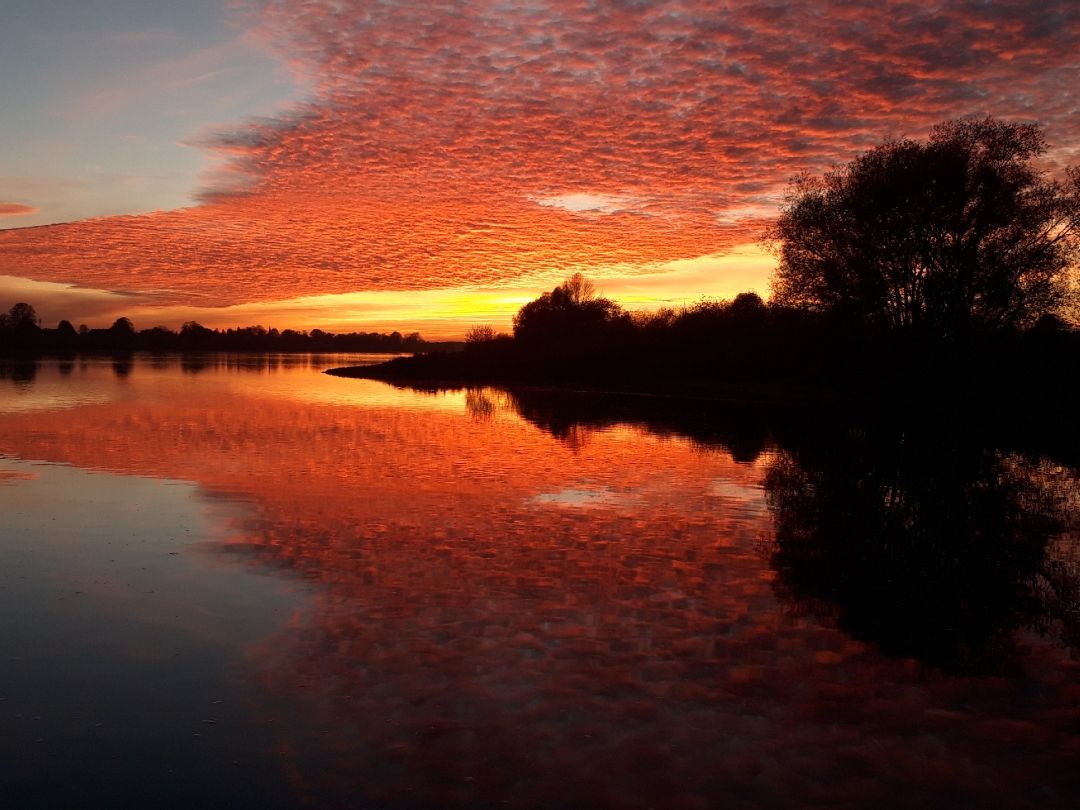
(16, 209)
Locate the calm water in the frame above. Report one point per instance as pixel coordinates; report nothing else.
(230, 582)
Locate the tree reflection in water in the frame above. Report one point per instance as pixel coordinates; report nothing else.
(743, 430)
(929, 544)
(20, 371)
(497, 616)
(924, 544)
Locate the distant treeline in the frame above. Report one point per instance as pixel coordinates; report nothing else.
(571, 335)
(21, 333)
(951, 264)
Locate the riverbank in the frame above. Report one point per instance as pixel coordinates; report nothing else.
(1023, 405)
(748, 393)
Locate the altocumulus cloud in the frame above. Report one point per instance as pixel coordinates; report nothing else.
(437, 135)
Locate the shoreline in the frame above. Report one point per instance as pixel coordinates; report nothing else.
(1041, 413)
(738, 393)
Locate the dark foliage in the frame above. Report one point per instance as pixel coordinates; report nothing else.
(587, 340)
(21, 333)
(957, 235)
(569, 326)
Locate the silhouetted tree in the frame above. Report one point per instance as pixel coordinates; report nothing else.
(21, 334)
(19, 329)
(578, 290)
(480, 334)
(22, 316)
(958, 234)
(157, 338)
(64, 339)
(570, 316)
(747, 309)
(121, 336)
(195, 336)
(123, 326)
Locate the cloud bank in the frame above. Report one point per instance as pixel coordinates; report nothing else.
(484, 143)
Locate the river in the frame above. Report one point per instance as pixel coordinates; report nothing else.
(236, 581)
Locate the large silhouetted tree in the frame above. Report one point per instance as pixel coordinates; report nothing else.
(960, 233)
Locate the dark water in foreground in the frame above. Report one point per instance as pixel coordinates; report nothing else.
(244, 583)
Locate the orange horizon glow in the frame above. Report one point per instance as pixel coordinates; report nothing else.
(436, 314)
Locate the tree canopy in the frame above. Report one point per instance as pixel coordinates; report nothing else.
(122, 326)
(572, 312)
(961, 233)
(20, 316)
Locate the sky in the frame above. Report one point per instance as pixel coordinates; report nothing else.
(353, 164)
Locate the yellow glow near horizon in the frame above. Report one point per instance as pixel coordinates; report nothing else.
(447, 314)
(441, 314)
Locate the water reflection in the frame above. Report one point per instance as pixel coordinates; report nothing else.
(547, 599)
(502, 663)
(927, 543)
(918, 542)
(743, 430)
(122, 366)
(116, 638)
(18, 371)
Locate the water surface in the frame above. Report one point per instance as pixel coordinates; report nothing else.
(229, 580)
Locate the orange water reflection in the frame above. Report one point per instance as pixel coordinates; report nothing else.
(501, 615)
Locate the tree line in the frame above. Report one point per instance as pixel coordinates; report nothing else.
(571, 334)
(21, 333)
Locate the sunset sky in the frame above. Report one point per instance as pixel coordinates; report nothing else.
(350, 164)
